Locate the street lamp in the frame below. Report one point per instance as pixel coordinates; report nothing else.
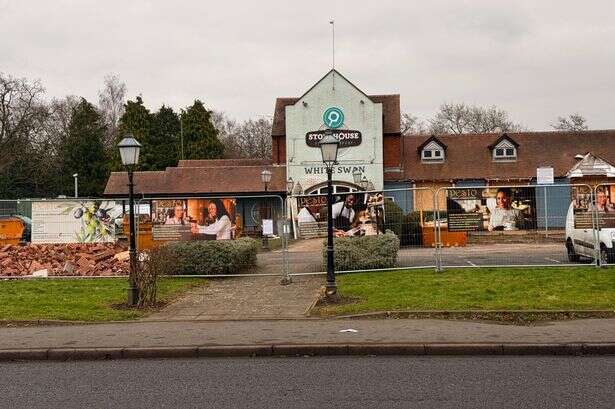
(266, 177)
(129, 152)
(290, 183)
(364, 183)
(76, 175)
(328, 149)
(356, 176)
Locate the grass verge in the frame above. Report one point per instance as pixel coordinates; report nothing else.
(78, 299)
(488, 289)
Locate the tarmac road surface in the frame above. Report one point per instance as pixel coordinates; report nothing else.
(307, 258)
(333, 382)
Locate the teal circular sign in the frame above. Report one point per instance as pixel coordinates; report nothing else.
(333, 117)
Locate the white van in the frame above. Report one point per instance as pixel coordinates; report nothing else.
(581, 242)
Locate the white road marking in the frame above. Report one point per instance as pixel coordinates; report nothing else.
(550, 259)
(470, 263)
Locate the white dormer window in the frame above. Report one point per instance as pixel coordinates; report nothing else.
(505, 150)
(432, 152)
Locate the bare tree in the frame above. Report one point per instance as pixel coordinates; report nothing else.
(248, 139)
(22, 114)
(111, 105)
(254, 138)
(227, 133)
(461, 118)
(412, 125)
(60, 114)
(573, 123)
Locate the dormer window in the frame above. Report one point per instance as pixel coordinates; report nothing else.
(433, 152)
(505, 149)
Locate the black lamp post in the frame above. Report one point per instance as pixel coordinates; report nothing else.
(265, 178)
(328, 149)
(129, 152)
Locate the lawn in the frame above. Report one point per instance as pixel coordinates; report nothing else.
(77, 299)
(579, 288)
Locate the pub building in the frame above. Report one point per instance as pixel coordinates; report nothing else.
(374, 156)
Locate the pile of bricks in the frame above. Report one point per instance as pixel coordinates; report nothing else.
(92, 259)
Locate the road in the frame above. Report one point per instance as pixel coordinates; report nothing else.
(342, 382)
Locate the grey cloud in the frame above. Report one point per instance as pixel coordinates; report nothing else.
(535, 59)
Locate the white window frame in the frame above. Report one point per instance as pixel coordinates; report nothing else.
(433, 148)
(504, 146)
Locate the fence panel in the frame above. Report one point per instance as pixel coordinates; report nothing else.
(407, 212)
(515, 225)
(604, 214)
(61, 226)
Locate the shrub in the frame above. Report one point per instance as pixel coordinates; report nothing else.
(364, 253)
(211, 256)
(411, 234)
(153, 263)
(394, 217)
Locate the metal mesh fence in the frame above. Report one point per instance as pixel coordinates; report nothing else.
(476, 226)
(514, 225)
(408, 213)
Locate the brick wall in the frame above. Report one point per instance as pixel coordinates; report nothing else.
(392, 151)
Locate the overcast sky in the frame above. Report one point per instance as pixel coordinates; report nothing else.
(537, 59)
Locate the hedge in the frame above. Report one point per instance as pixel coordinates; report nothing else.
(210, 257)
(363, 253)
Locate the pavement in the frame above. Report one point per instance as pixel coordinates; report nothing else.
(244, 297)
(304, 337)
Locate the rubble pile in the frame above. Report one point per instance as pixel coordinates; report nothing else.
(74, 259)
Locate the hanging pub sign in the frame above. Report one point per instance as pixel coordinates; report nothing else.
(346, 137)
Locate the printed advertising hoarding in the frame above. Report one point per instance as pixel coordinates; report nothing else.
(74, 221)
(354, 214)
(602, 206)
(491, 209)
(194, 219)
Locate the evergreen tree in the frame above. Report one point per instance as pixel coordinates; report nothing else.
(200, 136)
(82, 151)
(161, 145)
(135, 120)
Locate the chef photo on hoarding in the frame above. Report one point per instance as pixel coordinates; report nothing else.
(343, 213)
(503, 216)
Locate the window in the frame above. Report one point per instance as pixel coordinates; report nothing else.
(432, 152)
(505, 151)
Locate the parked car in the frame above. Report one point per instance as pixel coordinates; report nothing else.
(581, 242)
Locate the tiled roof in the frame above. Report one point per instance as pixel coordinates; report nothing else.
(198, 180)
(208, 163)
(468, 156)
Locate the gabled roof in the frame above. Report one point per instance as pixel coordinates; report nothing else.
(504, 137)
(430, 140)
(390, 109)
(591, 165)
(334, 71)
(468, 156)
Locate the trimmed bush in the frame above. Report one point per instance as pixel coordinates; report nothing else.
(363, 253)
(211, 257)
